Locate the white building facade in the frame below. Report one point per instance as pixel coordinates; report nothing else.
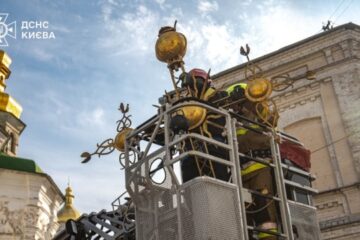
(324, 114)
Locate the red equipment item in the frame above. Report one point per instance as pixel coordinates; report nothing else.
(296, 153)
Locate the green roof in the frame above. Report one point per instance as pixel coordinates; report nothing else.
(19, 164)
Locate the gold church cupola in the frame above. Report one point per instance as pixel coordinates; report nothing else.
(7, 103)
(10, 110)
(68, 211)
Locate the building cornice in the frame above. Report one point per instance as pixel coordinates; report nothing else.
(349, 26)
(340, 221)
(44, 175)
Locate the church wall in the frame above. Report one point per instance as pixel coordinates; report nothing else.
(28, 206)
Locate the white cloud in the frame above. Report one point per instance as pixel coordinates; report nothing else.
(113, 2)
(50, 105)
(98, 116)
(129, 33)
(207, 6)
(278, 25)
(161, 3)
(246, 2)
(222, 44)
(211, 45)
(41, 54)
(94, 117)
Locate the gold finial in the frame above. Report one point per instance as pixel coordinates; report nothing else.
(68, 211)
(170, 48)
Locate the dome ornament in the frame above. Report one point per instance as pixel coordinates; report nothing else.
(170, 48)
(68, 211)
(259, 88)
(118, 142)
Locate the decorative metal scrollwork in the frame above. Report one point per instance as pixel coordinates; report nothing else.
(125, 121)
(133, 157)
(259, 88)
(118, 142)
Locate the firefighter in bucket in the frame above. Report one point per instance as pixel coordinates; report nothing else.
(192, 119)
(255, 176)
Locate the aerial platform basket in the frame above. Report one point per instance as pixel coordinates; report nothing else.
(205, 207)
(202, 208)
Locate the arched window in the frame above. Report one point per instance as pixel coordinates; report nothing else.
(310, 131)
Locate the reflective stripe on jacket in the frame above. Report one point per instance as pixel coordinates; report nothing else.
(242, 131)
(262, 235)
(252, 168)
(232, 87)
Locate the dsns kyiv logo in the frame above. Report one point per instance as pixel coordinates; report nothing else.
(6, 29)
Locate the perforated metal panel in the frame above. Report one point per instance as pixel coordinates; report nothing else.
(156, 208)
(145, 217)
(304, 220)
(144, 224)
(213, 207)
(209, 210)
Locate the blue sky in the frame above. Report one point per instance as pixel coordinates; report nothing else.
(70, 87)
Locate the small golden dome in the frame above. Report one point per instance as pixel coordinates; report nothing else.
(120, 138)
(68, 211)
(171, 45)
(258, 89)
(195, 115)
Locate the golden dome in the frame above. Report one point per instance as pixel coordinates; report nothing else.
(120, 138)
(258, 89)
(68, 211)
(7, 103)
(195, 115)
(171, 45)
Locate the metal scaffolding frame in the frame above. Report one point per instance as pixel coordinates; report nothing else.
(162, 209)
(138, 180)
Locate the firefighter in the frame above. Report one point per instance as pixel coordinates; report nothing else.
(198, 82)
(256, 176)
